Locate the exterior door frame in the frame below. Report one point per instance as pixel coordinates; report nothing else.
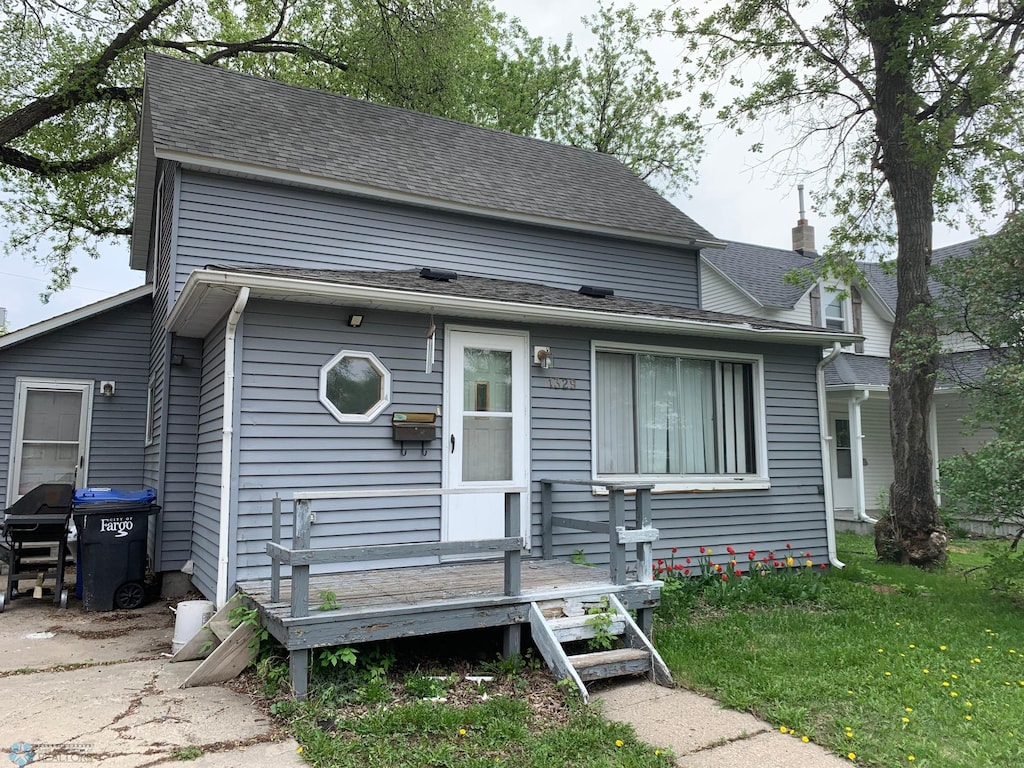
(21, 389)
(843, 488)
(452, 412)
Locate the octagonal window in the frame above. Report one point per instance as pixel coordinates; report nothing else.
(355, 386)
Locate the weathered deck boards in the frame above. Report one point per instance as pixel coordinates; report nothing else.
(402, 602)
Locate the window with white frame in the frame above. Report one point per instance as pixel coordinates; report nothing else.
(673, 415)
(355, 386)
(835, 313)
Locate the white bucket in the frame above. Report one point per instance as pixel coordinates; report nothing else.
(190, 615)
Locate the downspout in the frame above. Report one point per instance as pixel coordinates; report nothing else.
(857, 458)
(227, 417)
(830, 522)
(933, 443)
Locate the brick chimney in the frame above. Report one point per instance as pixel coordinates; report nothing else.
(803, 233)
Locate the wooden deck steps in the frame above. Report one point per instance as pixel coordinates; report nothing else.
(225, 650)
(598, 620)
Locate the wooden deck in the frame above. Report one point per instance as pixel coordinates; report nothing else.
(402, 602)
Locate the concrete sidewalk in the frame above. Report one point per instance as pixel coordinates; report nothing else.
(702, 734)
(97, 689)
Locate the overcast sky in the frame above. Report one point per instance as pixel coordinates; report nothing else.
(735, 197)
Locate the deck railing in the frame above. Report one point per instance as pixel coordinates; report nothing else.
(300, 556)
(644, 535)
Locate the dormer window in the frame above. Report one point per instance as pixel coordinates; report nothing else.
(835, 313)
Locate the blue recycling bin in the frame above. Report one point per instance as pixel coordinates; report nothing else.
(113, 533)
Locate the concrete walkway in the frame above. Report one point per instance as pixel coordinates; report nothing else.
(703, 735)
(97, 688)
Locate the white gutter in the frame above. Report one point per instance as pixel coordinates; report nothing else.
(826, 461)
(227, 435)
(857, 457)
(389, 298)
(933, 444)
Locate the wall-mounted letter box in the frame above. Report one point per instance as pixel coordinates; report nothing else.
(418, 427)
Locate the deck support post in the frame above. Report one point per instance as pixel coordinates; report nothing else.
(645, 620)
(616, 520)
(275, 536)
(644, 549)
(546, 514)
(298, 670)
(511, 644)
(300, 573)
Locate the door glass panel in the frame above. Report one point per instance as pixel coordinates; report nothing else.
(487, 381)
(844, 454)
(487, 439)
(53, 416)
(486, 448)
(50, 447)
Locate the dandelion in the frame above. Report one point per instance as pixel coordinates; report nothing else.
(888, 674)
(967, 717)
(804, 739)
(657, 752)
(462, 731)
(782, 729)
(906, 719)
(954, 694)
(852, 756)
(911, 758)
(300, 750)
(945, 684)
(925, 671)
(881, 650)
(975, 661)
(968, 704)
(955, 677)
(942, 647)
(911, 646)
(910, 709)
(618, 742)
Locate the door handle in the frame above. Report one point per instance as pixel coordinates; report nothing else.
(453, 443)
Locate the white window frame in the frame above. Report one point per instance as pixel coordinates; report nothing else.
(669, 483)
(150, 410)
(375, 410)
(828, 298)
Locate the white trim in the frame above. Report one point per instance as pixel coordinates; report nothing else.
(74, 316)
(521, 430)
(208, 164)
(150, 409)
(21, 386)
(685, 483)
(387, 298)
(375, 410)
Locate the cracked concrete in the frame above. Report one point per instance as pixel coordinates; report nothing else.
(96, 688)
(703, 735)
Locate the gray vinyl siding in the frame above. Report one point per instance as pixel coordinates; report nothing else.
(232, 221)
(207, 496)
(110, 346)
(179, 475)
(792, 511)
(288, 441)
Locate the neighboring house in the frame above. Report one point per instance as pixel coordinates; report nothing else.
(750, 279)
(556, 333)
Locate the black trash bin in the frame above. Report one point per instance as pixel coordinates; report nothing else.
(113, 532)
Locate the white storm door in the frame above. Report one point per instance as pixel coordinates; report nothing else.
(486, 437)
(51, 433)
(842, 462)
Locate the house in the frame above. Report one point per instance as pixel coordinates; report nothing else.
(750, 279)
(322, 272)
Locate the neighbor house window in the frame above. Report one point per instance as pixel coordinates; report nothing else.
(355, 386)
(151, 410)
(835, 313)
(663, 414)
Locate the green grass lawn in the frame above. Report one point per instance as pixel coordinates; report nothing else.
(890, 665)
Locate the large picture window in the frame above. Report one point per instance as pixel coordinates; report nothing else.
(670, 415)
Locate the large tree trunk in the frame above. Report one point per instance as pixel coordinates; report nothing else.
(912, 531)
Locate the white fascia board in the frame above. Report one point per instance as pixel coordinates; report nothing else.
(734, 284)
(876, 300)
(270, 286)
(295, 178)
(74, 316)
(858, 388)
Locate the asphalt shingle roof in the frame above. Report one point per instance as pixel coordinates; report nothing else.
(514, 291)
(955, 369)
(211, 112)
(760, 271)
